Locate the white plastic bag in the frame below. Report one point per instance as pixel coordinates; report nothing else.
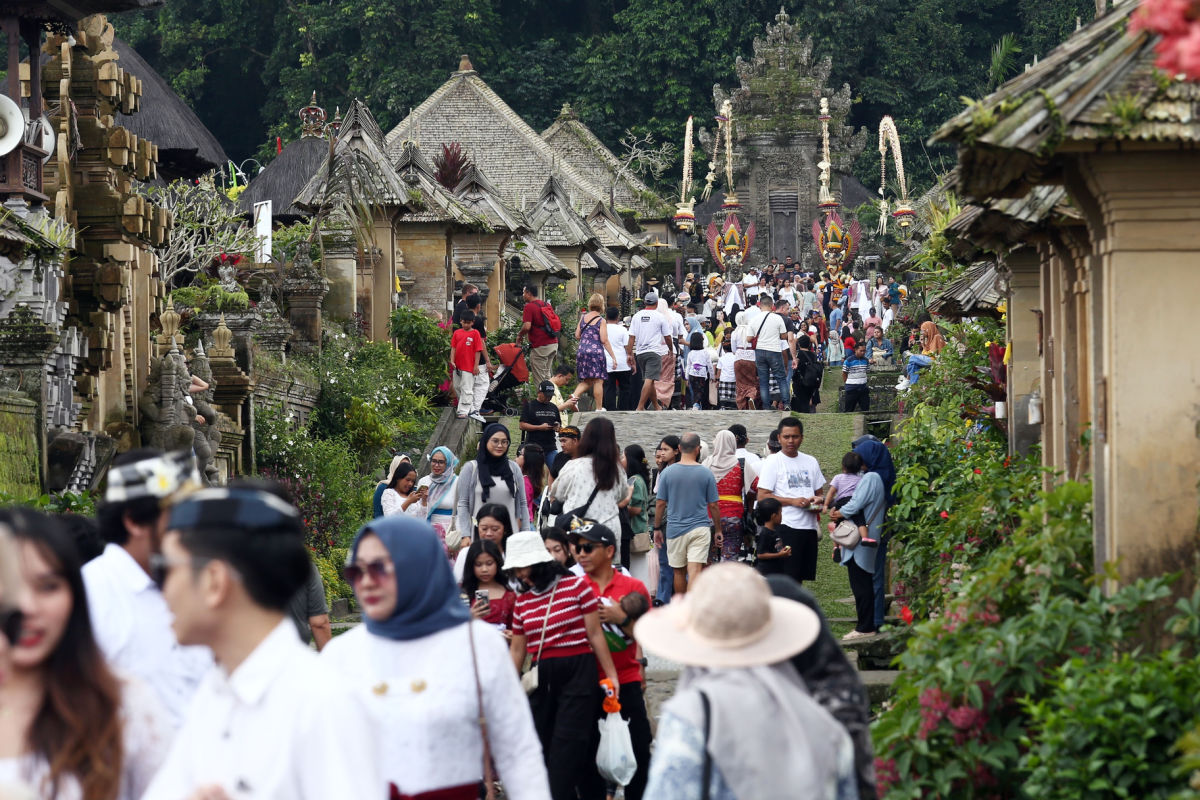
(615, 758)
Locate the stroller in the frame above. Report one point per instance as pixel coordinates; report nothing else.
(512, 373)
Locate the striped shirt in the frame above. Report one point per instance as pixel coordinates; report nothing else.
(566, 634)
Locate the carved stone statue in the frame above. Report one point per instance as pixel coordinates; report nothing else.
(207, 436)
(166, 406)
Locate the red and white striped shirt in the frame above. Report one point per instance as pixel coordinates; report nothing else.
(566, 634)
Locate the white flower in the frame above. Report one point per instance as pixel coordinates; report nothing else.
(274, 436)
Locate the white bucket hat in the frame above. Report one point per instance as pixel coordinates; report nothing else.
(728, 618)
(524, 549)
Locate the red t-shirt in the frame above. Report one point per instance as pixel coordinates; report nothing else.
(465, 343)
(628, 668)
(537, 330)
(567, 635)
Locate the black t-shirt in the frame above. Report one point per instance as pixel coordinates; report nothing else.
(769, 542)
(459, 308)
(539, 413)
(560, 461)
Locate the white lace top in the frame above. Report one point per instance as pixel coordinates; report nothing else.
(148, 732)
(575, 484)
(422, 694)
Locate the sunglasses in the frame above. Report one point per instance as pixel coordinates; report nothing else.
(378, 570)
(584, 546)
(160, 567)
(11, 620)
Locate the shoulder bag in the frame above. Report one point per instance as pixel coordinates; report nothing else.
(706, 774)
(489, 775)
(529, 681)
(753, 340)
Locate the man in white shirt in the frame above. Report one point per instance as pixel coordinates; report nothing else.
(795, 480)
(769, 353)
(129, 617)
(273, 721)
(889, 313)
(620, 371)
(649, 338)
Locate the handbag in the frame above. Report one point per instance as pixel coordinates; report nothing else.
(846, 534)
(489, 776)
(576, 513)
(641, 543)
(529, 681)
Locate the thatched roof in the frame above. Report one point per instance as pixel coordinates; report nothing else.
(1005, 224)
(186, 149)
(479, 195)
(428, 200)
(974, 294)
(536, 257)
(611, 230)
(556, 222)
(71, 11)
(584, 151)
(465, 110)
(285, 177)
(1100, 86)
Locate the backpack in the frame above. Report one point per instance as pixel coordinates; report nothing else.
(810, 373)
(551, 324)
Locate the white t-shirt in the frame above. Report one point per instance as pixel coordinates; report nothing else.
(772, 333)
(742, 351)
(725, 367)
(698, 365)
(618, 337)
(648, 328)
(799, 476)
(888, 315)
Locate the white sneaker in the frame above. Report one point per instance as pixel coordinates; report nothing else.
(475, 415)
(696, 407)
(852, 635)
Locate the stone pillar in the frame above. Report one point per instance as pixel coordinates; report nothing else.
(304, 288)
(1144, 216)
(1024, 341)
(341, 271)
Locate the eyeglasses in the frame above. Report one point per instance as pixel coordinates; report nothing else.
(160, 566)
(438, 462)
(378, 570)
(11, 620)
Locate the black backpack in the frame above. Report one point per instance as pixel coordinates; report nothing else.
(810, 372)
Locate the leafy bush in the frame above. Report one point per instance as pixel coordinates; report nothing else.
(330, 566)
(210, 297)
(426, 344)
(56, 503)
(983, 682)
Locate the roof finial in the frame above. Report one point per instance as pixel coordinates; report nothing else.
(312, 119)
(567, 112)
(464, 64)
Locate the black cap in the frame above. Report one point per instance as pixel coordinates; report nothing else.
(591, 530)
(546, 387)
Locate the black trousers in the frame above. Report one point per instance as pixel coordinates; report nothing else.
(565, 708)
(863, 586)
(617, 388)
(858, 396)
(633, 710)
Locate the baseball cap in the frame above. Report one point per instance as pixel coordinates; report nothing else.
(546, 387)
(592, 531)
(651, 298)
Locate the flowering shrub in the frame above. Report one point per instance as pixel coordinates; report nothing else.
(987, 688)
(1178, 22)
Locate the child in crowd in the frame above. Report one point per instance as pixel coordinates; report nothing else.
(768, 513)
(841, 489)
(466, 347)
(490, 600)
(698, 370)
(726, 378)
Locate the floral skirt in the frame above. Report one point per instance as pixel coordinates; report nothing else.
(747, 382)
(732, 531)
(664, 387)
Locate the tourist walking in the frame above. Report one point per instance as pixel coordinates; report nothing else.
(491, 478)
(641, 548)
(557, 621)
(699, 371)
(440, 499)
(483, 584)
(877, 460)
(558, 546)
(377, 497)
(795, 480)
(532, 462)
(619, 384)
(568, 443)
(466, 348)
(430, 675)
(731, 491)
(664, 386)
(593, 353)
(686, 514)
(856, 394)
(735, 640)
(72, 727)
(593, 484)
(649, 341)
(870, 500)
(666, 454)
(129, 616)
(540, 419)
(273, 720)
(543, 340)
(596, 547)
(745, 368)
(770, 350)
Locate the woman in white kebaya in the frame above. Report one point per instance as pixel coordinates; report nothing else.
(426, 670)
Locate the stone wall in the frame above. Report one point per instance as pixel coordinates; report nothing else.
(425, 249)
(20, 474)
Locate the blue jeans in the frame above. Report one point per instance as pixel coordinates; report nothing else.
(770, 363)
(915, 364)
(879, 582)
(666, 576)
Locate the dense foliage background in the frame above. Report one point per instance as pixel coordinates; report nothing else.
(247, 66)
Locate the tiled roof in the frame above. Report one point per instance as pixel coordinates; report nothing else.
(536, 257)
(1098, 86)
(974, 294)
(556, 223)
(465, 110)
(480, 196)
(611, 231)
(584, 151)
(603, 261)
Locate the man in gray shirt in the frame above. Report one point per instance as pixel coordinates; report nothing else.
(687, 498)
(309, 613)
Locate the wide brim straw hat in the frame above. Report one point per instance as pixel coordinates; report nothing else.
(524, 549)
(728, 618)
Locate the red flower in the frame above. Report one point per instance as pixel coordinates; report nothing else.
(978, 471)
(945, 515)
(906, 614)
(970, 445)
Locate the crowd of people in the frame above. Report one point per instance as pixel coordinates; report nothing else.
(761, 343)
(173, 649)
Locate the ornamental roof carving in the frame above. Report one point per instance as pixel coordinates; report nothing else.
(555, 221)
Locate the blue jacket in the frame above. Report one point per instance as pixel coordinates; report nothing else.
(871, 499)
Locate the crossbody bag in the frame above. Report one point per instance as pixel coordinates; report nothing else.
(529, 681)
(753, 341)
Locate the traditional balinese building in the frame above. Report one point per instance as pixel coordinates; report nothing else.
(777, 130)
(1086, 171)
(285, 176)
(625, 247)
(559, 227)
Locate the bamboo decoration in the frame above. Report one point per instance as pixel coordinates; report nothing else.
(890, 137)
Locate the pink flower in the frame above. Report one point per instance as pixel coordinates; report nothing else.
(906, 614)
(1162, 16)
(1180, 53)
(945, 515)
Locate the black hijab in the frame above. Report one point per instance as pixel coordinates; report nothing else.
(835, 684)
(488, 467)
